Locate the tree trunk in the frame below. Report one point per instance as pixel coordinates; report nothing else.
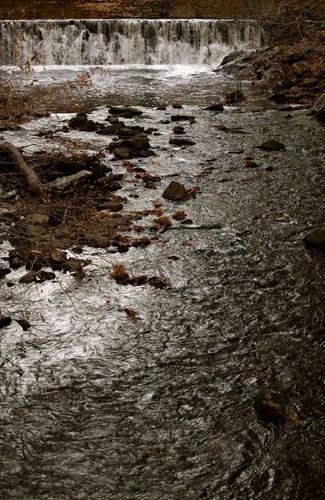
(33, 182)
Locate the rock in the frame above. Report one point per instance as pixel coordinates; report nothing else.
(112, 119)
(37, 219)
(4, 272)
(278, 97)
(138, 142)
(65, 182)
(113, 129)
(318, 110)
(221, 127)
(123, 153)
(179, 130)
(236, 96)
(177, 141)
(176, 192)
(24, 324)
(37, 277)
(269, 407)
(250, 164)
(4, 320)
(178, 118)
(81, 122)
(215, 107)
(129, 131)
(231, 57)
(125, 111)
(110, 205)
(271, 145)
(316, 239)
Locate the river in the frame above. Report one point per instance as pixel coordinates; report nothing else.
(97, 404)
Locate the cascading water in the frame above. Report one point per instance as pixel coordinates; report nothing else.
(94, 42)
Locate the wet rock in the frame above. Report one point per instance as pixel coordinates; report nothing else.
(123, 153)
(316, 239)
(269, 407)
(221, 127)
(112, 119)
(318, 110)
(271, 145)
(176, 192)
(4, 272)
(158, 282)
(176, 105)
(81, 122)
(215, 107)
(9, 126)
(251, 164)
(132, 147)
(176, 141)
(129, 131)
(70, 180)
(179, 118)
(179, 130)
(138, 142)
(37, 277)
(125, 112)
(112, 130)
(231, 57)
(24, 324)
(4, 320)
(110, 205)
(234, 97)
(235, 130)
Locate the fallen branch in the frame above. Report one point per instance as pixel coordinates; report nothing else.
(33, 182)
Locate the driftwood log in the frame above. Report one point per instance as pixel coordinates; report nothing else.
(33, 182)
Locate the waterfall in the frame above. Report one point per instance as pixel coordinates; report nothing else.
(101, 42)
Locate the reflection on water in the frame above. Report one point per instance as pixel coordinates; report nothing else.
(98, 405)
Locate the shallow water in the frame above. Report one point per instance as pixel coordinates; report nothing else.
(98, 405)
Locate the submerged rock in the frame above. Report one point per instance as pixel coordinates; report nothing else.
(316, 239)
(177, 141)
(179, 118)
(4, 320)
(271, 145)
(215, 107)
(269, 407)
(176, 192)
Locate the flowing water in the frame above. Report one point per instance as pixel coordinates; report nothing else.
(99, 405)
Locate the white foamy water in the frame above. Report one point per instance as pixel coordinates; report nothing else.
(148, 42)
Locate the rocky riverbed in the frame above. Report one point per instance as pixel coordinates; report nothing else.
(162, 303)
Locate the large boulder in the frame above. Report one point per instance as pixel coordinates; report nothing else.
(319, 109)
